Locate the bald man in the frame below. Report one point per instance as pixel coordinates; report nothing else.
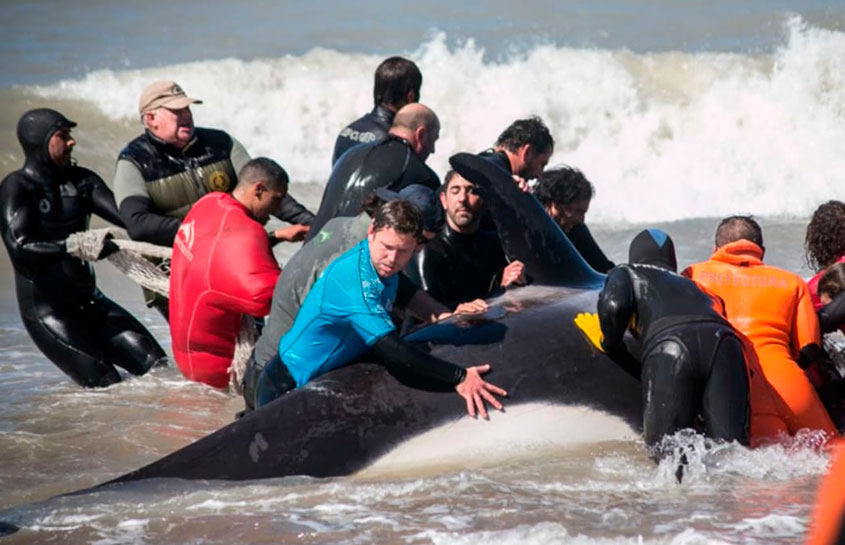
(394, 162)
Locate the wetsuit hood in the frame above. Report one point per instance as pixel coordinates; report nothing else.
(35, 128)
(653, 247)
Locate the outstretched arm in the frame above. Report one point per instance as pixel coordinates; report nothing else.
(402, 357)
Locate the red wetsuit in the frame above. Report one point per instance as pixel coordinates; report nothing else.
(222, 269)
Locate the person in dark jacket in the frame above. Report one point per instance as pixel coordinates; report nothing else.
(397, 83)
(523, 149)
(394, 163)
(77, 327)
(565, 193)
(463, 262)
(692, 361)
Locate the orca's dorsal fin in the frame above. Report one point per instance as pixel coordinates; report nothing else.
(527, 232)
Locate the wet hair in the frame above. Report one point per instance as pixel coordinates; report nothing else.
(734, 228)
(371, 203)
(832, 282)
(824, 242)
(563, 185)
(450, 175)
(265, 170)
(526, 131)
(401, 216)
(395, 77)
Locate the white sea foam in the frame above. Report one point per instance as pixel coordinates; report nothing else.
(664, 136)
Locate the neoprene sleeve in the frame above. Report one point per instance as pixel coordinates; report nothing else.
(615, 308)
(399, 356)
(146, 225)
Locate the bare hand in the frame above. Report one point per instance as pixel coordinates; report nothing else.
(476, 306)
(475, 390)
(521, 183)
(513, 274)
(292, 233)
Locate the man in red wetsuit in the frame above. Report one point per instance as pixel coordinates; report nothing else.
(223, 268)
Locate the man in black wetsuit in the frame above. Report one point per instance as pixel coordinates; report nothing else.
(80, 330)
(163, 172)
(397, 83)
(523, 149)
(463, 262)
(692, 359)
(394, 162)
(565, 193)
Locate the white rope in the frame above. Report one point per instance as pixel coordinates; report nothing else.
(133, 260)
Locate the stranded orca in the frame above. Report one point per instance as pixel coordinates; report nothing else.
(346, 419)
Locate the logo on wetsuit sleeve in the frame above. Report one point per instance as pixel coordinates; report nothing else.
(185, 239)
(44, 206)
(218, 181)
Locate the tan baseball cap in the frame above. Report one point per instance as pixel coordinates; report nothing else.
(164, 93)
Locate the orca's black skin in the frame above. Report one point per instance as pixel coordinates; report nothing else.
(7, 528)
(344, 420)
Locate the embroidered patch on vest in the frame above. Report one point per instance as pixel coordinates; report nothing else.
(218, 181)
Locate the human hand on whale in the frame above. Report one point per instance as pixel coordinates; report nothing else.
(476, 390)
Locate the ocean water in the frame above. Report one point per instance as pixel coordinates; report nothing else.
(679, 113)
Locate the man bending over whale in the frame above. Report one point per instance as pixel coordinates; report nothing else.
(77, 327)
(692, 359)
(346, 313)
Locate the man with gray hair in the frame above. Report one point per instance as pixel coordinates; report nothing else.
(394, 162)
(222, 269)
(163, 172)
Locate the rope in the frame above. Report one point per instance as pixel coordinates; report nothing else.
(149, 266)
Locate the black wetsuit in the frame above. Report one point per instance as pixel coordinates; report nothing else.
(79, 329)
(389, 163)
(369, 128)
(692, 360)
(454, 268)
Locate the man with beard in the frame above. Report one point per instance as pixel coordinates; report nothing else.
(77, 327)
(463, 262)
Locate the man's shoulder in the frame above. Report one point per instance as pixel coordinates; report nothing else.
(139, 144)
(213, 136)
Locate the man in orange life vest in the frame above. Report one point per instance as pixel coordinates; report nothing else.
(772, 307)
(223, 268)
